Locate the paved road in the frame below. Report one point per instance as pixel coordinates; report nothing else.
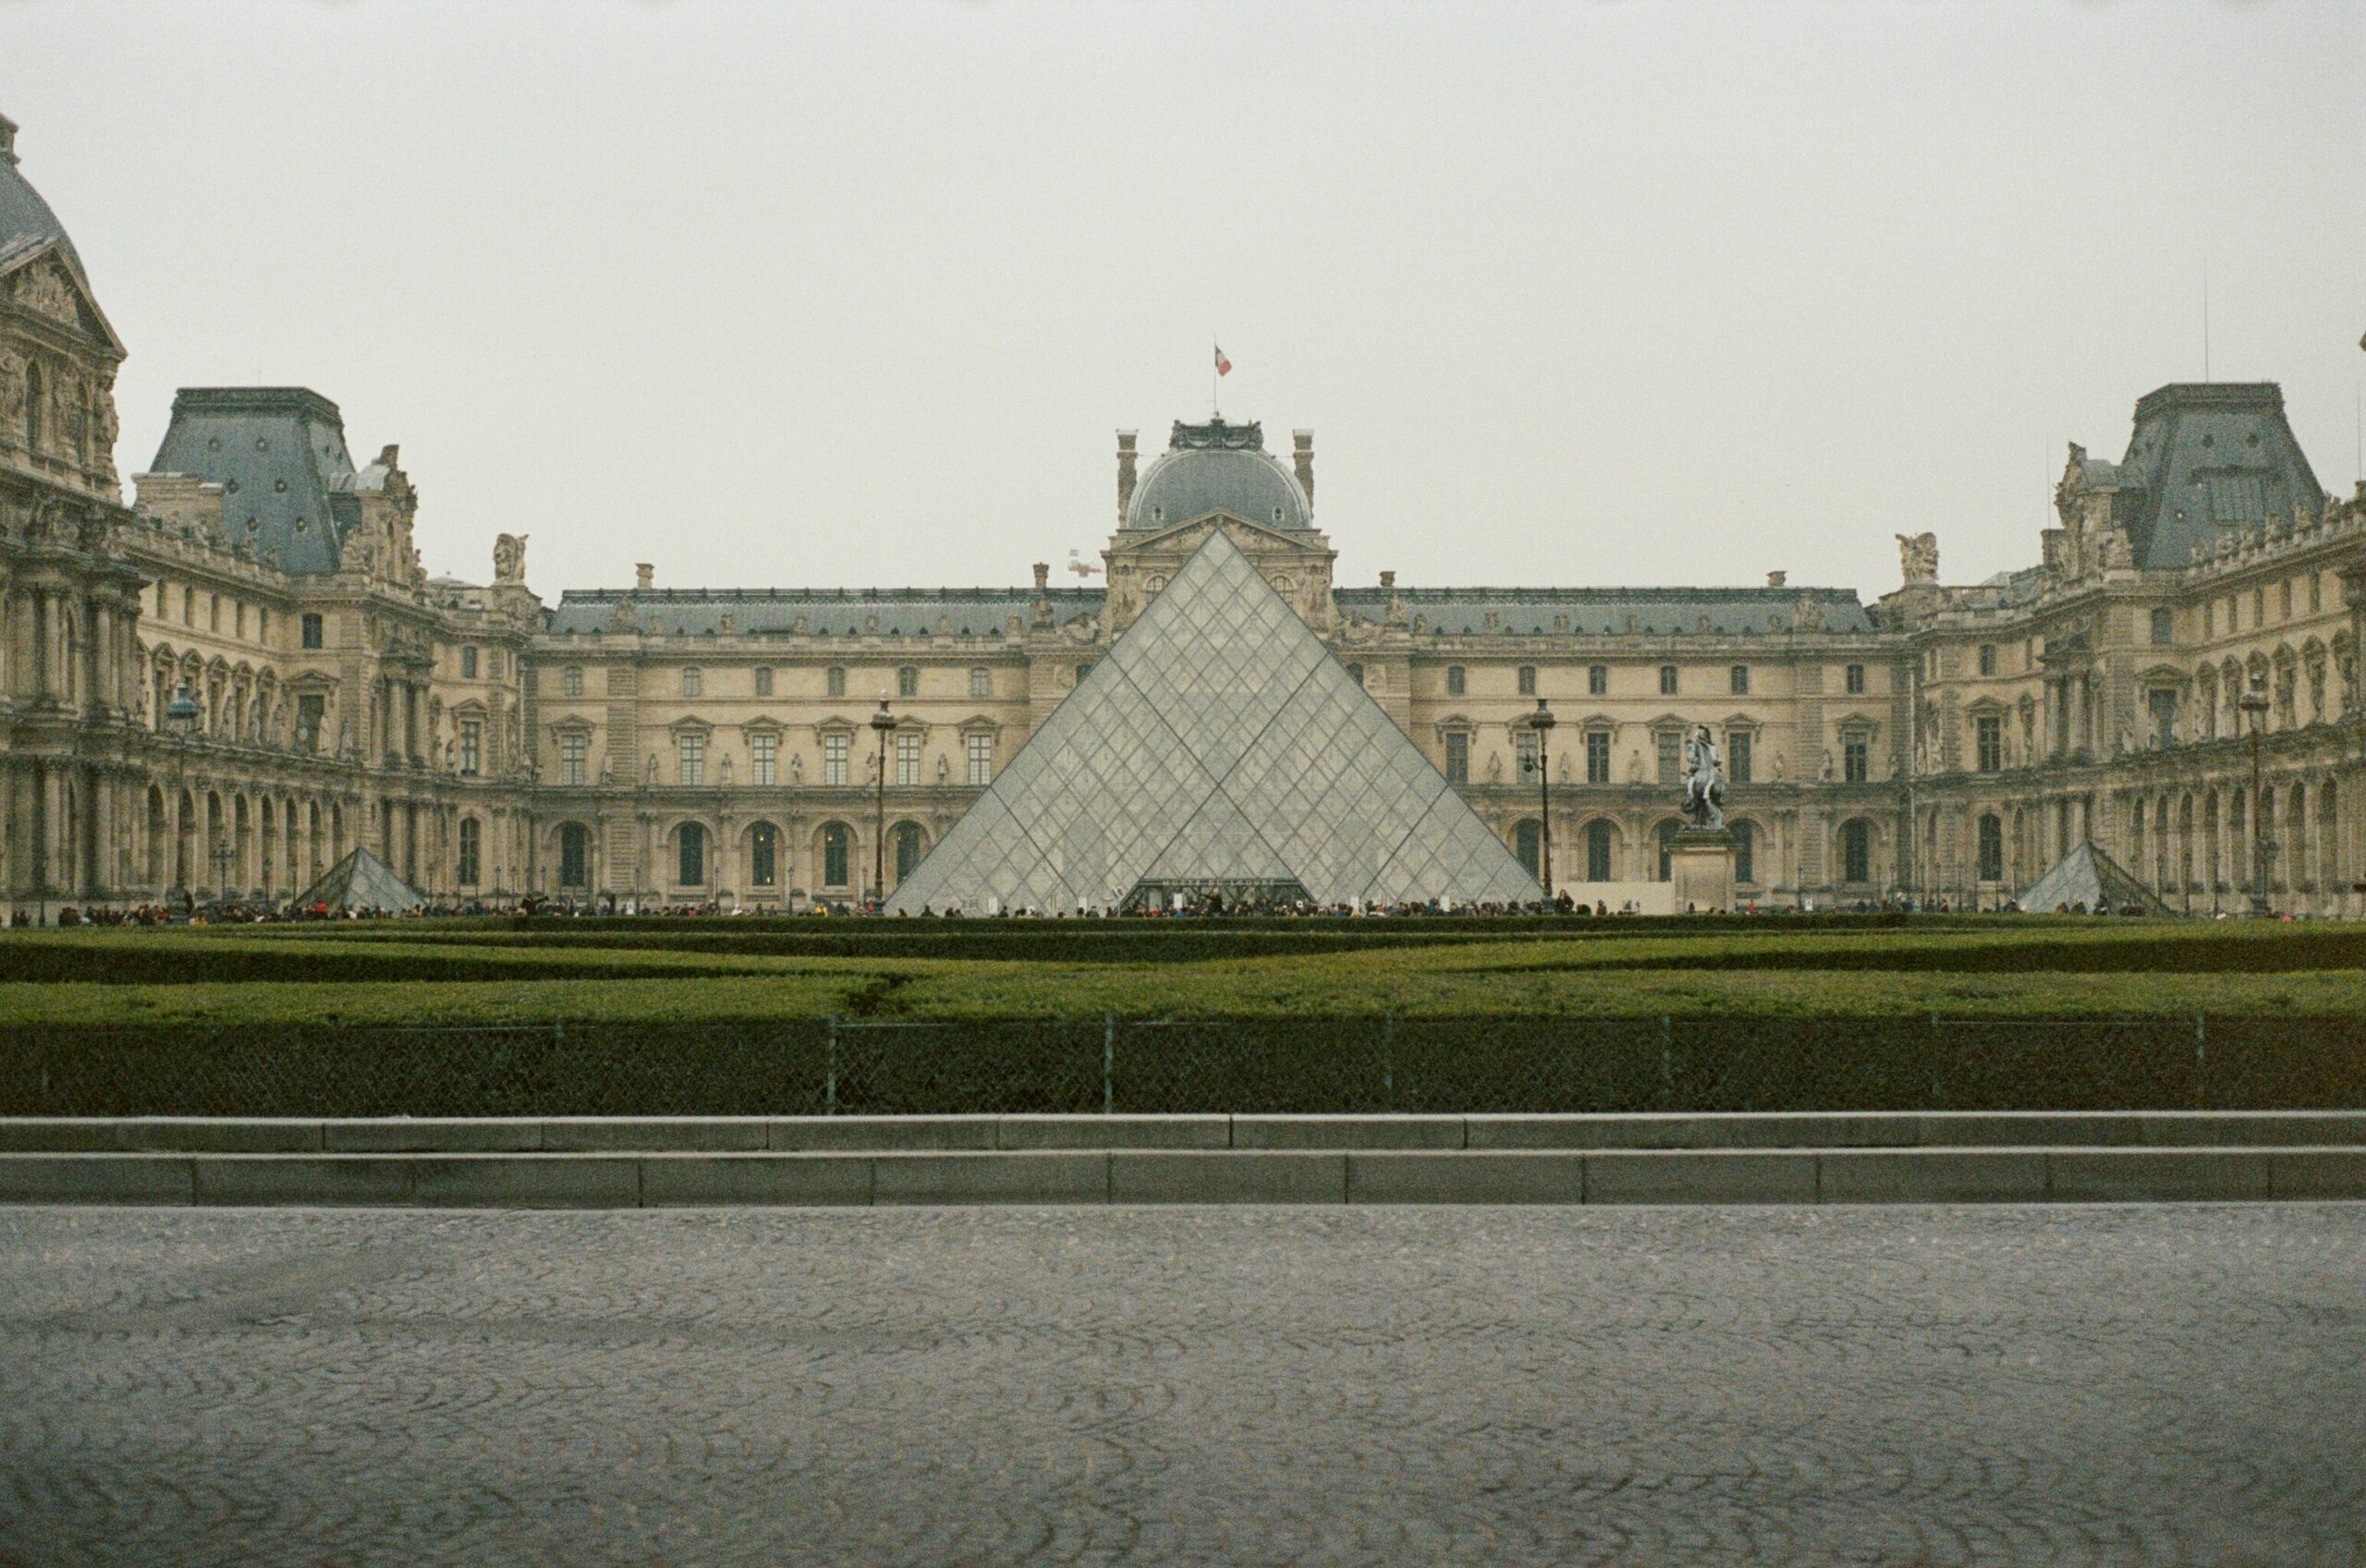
(2062, 1385)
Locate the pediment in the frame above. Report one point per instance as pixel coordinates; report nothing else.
(1186, 537)
(45, 283)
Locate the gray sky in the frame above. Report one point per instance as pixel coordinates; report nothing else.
(856, 295)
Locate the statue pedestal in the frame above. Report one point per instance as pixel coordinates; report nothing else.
(1701, 870)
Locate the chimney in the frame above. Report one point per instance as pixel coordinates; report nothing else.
(1302, 454)
(1125, 473)
(1774, 579)
(643, 574)
(1388, 579)
(1042, 577)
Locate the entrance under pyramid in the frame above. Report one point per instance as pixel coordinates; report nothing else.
(1218, 751)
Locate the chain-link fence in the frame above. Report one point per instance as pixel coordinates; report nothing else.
(872, 1066)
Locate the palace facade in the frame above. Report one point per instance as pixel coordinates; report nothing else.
(663, 745)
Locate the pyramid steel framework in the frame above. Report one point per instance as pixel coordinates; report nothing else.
(361, 880)
(2089, 879)
(1219, 746)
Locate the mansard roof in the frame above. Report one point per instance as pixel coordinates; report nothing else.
(900, 612)
(278, 451)
(2211, 459)
(1596, 612)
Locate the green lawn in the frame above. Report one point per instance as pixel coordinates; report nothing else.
(670, 970)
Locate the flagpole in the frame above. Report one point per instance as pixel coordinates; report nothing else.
(1213, 411)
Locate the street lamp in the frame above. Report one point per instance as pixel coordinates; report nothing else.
(180, 717)
(2254, 702)
(882, 722)
(1542, 721)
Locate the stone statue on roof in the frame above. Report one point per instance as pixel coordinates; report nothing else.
(509, 557)
(1918, 556)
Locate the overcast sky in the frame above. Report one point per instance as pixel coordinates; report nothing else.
(857, 295)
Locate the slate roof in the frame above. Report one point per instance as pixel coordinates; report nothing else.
(2212, 458)
(1594, 611)
(844, 612)
(279, 453)
(1181, 485)
(25, 223)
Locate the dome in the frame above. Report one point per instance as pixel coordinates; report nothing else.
(25, 223)
(1217, 467)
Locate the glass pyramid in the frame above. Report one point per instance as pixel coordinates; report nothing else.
(361, 880)
(1217, 746)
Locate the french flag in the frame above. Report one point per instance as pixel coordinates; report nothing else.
(1224, 365)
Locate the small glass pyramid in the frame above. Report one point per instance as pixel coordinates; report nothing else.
(1219, 746)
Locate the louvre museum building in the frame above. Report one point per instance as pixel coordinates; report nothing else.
(220, 677)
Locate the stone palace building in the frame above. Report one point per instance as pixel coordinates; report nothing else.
(672, 746)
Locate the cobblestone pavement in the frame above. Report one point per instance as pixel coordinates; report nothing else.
(333, 1389)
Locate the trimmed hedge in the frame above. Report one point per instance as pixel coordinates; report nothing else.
(1083, 1066)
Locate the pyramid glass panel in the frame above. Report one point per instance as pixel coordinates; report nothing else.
(1217, 746)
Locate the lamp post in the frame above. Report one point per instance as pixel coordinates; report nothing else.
(882, 722)
(2254, 702)
(180, 717)
(1542, 721)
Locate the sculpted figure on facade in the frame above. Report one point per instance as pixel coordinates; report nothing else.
(1918, 557)
(509, 557)
(1704, 780)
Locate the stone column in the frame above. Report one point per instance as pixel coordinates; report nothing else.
(103, 813)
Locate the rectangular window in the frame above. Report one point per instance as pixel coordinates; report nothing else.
(262, 622)
(311, 709)
(1992, 743)
(1667, 680)
(1739, 745)
(1741, 679)
(574, 857)
(982, 683)
(1670, 747)
(2164, 625)
(982, 758)
(213, 611)
(2209, 618)
(693, 749)
(471, 745)
(1457, 682)
(573, 752)
(570, 681)
(311, 630)
(907, 681)
(834, 681)
(2316, 592)
(834, 758)
(1598, 760)
(2286, 612)
(1597, 680)
(1856, 760)
(2163, 705)
(1524, 753)
(2259, 607)
(693, 682)
(1457, 758)
(1745, 853)
(908, 758)
(1992, 849)
(1987, 658)
(764, 680)
(467, 664)
(238, 613)
(763, 758)
(1528, 680)
(471, 850)
(1853, 680)
(493, 662)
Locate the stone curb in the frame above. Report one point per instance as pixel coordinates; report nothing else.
(1768, 1132)
(500, 1180)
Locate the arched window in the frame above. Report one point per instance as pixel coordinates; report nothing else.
(471, 850)
(1597, 851)
(1992, 848)
(837, 850)
(1665, 836)
(692, 873)
(574, 856)
(1857, 851)
(1745, 851)
(909, 847)
(2329, 834)
(1527, 843)
(763, 855)
(35, 400)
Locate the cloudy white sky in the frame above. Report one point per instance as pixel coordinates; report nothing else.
(856, 295)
